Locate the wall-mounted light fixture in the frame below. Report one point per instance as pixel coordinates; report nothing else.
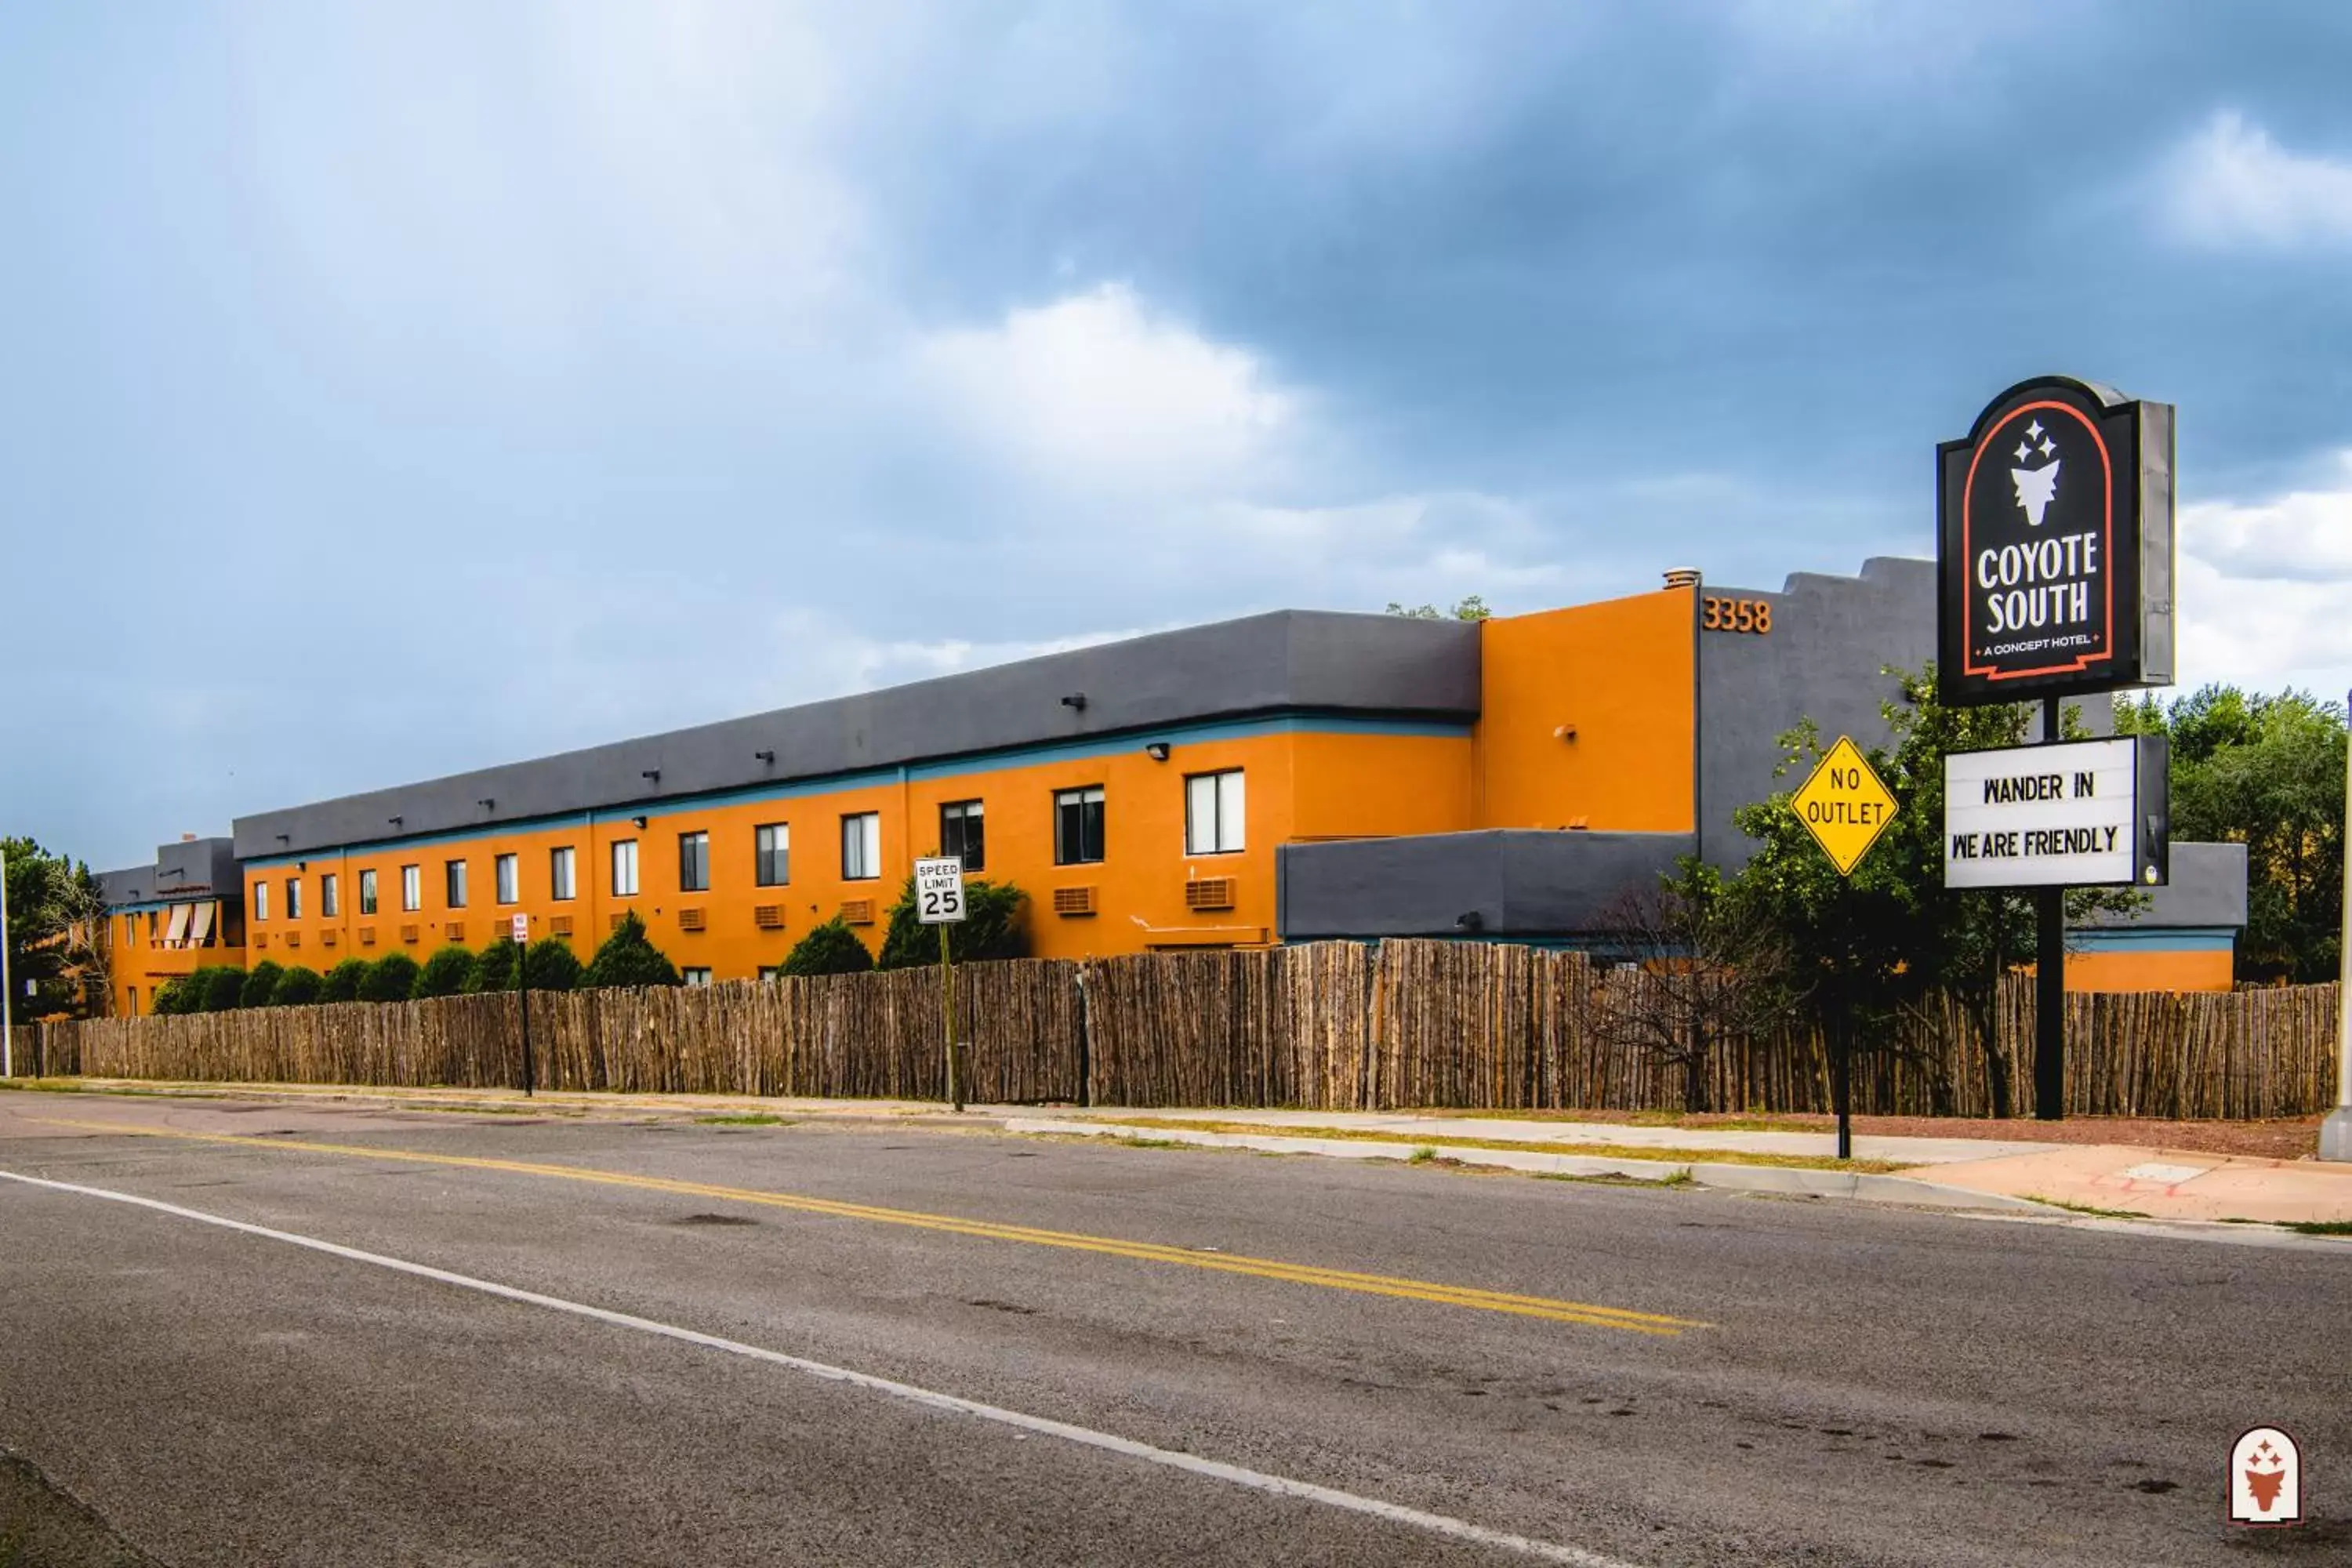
(1076, 699)
(1565, 732)
(636, 822)
(651, 775)
(1157, 751)
(301, 865)
(285, 839)
(394, 821)
(486, 804)
(767, 757)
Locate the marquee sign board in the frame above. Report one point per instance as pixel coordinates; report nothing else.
(2069, 814)
(2056, 546)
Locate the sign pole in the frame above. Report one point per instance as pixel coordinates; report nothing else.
(2050, 979)
(947, 1011)
(522, 997)
(2335, 1133)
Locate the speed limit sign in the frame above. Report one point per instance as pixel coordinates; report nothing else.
(939, 890)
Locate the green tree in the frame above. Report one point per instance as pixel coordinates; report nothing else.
(629, 958)
(990, 928)
(552, 965)
(260, 987)
(221, 988)
(177, 995)
(344, 980)
(391, 978)
(493, 968)
(1473, 608)
(444, 974)
(56, 925)
(2266, 772)
(829, 949)
(297, 987)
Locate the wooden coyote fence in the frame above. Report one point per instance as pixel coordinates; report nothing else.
(1326, 1025)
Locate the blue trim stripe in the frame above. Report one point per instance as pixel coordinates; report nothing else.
(2175, 939)
(866, 778)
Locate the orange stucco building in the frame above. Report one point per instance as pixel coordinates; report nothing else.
(1285, 776)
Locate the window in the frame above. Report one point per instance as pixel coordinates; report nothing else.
(694, 862)
(624, 868)
(1213, 813)
(1079, 826)
(962, 832)
(771, 972)
(506, 870)
(452, 883)
(367, 892)
(331, 900)
(412, 886)
(861, 847)
(260, 902)
(293, 898)
(130, 997)
(771, 851)
(694, 976)
(558, 873)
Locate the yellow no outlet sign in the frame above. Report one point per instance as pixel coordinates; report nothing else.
(1845, 805)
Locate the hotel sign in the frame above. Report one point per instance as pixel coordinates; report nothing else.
(2070, 815)
(2055, 550)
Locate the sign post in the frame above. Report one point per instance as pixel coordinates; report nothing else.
(938, 901)
(1845, 805)
(2335, 1133)
(7, 991)
(2054, 569)
(521, 931)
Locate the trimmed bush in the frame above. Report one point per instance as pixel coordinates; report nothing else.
(990, 928)
(629, 958)
(552, 965)
(178, 995)
(829, 949)
(223, 988)
(391, 978)
(342, 983)
(298, 987)
(444, 974)
(493, 968)
(260, 985)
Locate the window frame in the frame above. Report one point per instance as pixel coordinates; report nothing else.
(624, 849)
(970, 842)
(694, 860)
(506, 878)
(331, 895)
(772, 861)
(563, 873)
(370, 897)
(686, 973)
(293, 898)
(412, 886)
(1216, 779)
(868, 825)
(1082, 796)
(260, 899)
(456, 883)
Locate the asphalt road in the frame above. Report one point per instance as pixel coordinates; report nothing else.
(1646, 1376)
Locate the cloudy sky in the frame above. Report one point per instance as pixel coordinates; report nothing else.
(391, 389)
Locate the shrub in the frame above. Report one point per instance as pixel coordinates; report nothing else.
(492, 968)
(990, 928)
(391, 978)
(260, 984)
(223, 988)
(298, 987)
(343, 981)
(629, 958)
(179, 994)
(444, 974)
(829, 949)
(552, 965)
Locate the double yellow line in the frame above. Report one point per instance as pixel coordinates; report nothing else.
(1583, 1312)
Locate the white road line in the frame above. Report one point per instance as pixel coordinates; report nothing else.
(1256, 1480)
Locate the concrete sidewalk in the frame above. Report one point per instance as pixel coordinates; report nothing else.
(2110, 1180)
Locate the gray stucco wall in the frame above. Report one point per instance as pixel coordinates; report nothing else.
(1289, 661)
(1516, 881)
(2207, 888)
(1829, 639)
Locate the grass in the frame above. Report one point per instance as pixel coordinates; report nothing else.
(2321, 1226)
(1156, 1143)
(741, 1119)
(1429, 1147)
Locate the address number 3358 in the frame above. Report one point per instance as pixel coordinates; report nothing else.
(1717, 615)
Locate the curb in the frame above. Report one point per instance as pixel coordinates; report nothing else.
(1720, 1175)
